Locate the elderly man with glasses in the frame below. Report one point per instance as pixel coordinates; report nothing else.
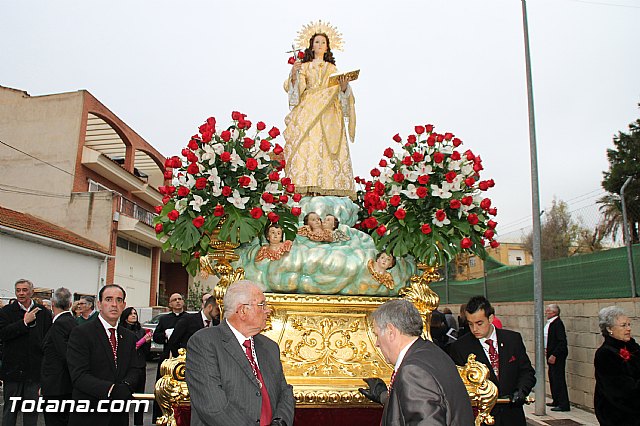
(233, 372)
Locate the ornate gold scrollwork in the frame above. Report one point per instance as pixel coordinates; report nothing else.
(482, 391)
(171, 389)
(421, 295)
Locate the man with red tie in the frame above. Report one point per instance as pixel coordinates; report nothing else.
(233, 372)
(425, 388)
(103, 363)
(504, 353)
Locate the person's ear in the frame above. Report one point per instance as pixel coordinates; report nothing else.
(491, 318)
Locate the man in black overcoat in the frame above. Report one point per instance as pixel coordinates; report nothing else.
(555, 344)
(188, 324)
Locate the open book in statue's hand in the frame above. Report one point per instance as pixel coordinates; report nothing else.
(350, 75)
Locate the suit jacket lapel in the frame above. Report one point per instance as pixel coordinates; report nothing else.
(266, 367)
(122, 353)
(233, 348)
(105, 343)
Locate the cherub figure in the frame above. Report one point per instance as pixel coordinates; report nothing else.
(331, 223)
(276, 247)
(379, 267)
(313, 230)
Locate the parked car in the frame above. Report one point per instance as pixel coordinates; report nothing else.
(156, 348)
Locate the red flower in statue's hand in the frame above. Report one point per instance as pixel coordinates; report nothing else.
(624, 354)
(291, 60)
(300, 54)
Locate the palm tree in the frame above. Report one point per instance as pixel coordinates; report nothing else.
(611, 221)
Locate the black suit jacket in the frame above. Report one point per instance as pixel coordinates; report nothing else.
(93, 370)
(516, 372)
(55, 378)
(22, 352)
(186, 326)
(427, 390)
(165, 323)
(557, 340)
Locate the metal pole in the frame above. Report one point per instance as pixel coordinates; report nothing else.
(484, 278)
(446, 281)
(627, 237)
(540, 408)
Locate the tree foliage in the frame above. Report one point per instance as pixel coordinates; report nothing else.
(560, 233)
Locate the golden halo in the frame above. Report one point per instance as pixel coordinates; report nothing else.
(308, 31)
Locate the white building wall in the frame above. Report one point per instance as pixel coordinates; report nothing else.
(133, 273)
(48, 266)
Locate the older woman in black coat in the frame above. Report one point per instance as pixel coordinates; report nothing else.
(617, 365)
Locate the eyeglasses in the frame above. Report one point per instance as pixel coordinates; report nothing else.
(625, 325)
(175, 300)
(264, 306)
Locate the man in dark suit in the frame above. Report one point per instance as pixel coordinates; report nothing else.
(555, 344)
(102, 362)
(234, 373)
(425, 387)
(55, 379)
(503, 352)
(163, 332)
(23, 325)
(190, 323)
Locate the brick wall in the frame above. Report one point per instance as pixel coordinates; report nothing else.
(583, 335)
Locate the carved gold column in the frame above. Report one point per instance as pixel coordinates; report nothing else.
(421, 295)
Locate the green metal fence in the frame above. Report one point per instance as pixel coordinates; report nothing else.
(598, 275)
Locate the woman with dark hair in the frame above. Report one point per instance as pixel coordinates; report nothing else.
(129, 320)
(317, 152)
(617, 365)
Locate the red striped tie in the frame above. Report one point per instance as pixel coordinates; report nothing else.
(265, 409)
(494, 358)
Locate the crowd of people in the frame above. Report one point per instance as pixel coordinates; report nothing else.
(235, 374)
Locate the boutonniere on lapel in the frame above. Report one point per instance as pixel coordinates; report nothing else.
(513, 358)
(624, 354)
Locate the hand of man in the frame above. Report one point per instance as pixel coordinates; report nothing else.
(30, 316)
(121, 392)
(278, 422)
(518, 398)
(376, 388)
(551, 360)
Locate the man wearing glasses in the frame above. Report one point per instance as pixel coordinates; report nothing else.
(87, 310)
(163, 332)
(233, 372)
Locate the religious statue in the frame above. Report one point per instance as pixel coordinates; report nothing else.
(313, 229)
(276, 247)
(322, 115)
(378, 269)
(331, 223)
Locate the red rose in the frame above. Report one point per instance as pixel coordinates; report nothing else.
(185, 152)
(398, 177)
(494, 244)
(297, 197)
(296, 211)
(201, 183)
(472, 218)
(283, 199)
(397, 138)
(388, 152)
(196, 254)
(226, 191)
(166, 199)
(218, 210)
(492, 224)
(273, 217)
(256, 212)
(419, 129)
(383, 163)
(469, 155)
(158, 209)
(426, 228)
(439, 138)
(159, 228)
(300, 54)
(467, 201)
(440, 215)
(292, 60)
(421, 192)
(381, 230)
(411, 139)
(193, 169)
(407, 161)
(244, 181)
(429, 128)
(423, 179)
(267, 197)
(291, 188)
(191, 157)
(431, 140)
(483, 185)
(168, 162)
(466, 243)
(207, 136)
(261, 126)
(168, 174)
(204, 128)
(395, 200)
(176, 162)
(277, 150)
(248, 143)
(457, 142)
(225, 136)
(198, 221)
(162, 189)
(283, 163)
(193, 144)
(252, 163)
(493, 211)
(183, 191)
(375, 172)
(274, 176)
(381, 205)
(173, 215)
(370, 222)
(225, 156)
(265, 145)
(438, 157)
(211, 121)
(491, 183)
(469, 181)
(286, 181)
(485, 204)
(417, 156)
(455, 204)
(489, 233)
(171, 189)
(448, 136)
(477, 167)
(450, 176)
(455, 155)
(400, 214)
(274, 133)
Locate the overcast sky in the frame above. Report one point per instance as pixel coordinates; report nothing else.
(165, 66)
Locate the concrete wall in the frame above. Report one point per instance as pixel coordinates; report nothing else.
(583, 335)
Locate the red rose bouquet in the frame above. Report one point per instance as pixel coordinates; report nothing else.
(234, 174)
(426, 199)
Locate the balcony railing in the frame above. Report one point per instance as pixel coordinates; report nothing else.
(131, 209)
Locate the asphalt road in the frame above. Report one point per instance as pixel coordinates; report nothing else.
(151, 379)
